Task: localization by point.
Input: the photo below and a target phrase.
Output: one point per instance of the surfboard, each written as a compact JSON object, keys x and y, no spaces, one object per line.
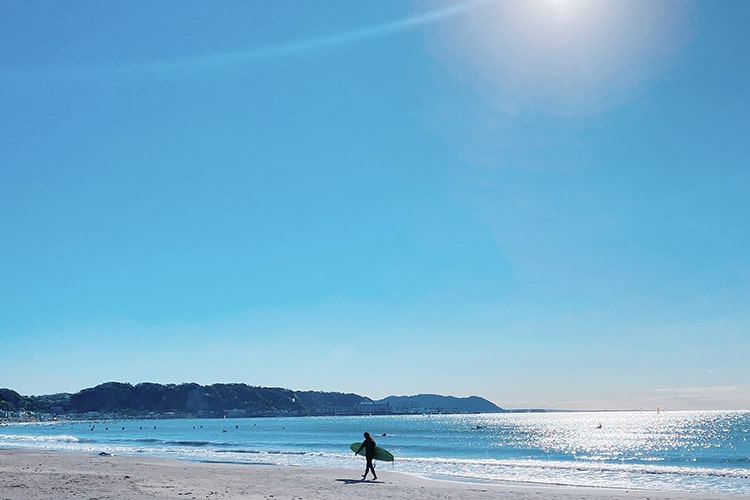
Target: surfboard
{"x":380,"y":453}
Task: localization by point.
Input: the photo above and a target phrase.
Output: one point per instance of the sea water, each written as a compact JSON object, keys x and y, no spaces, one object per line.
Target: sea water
{"x":698,"y":451}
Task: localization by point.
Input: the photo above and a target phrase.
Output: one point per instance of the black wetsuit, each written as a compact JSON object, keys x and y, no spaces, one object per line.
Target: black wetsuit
{"x":369,"y":446}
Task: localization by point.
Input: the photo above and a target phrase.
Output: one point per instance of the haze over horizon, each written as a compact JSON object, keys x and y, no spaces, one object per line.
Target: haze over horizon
{"x":542,"y":203}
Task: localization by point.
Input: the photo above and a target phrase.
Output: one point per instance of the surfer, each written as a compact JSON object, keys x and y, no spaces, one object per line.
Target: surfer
{"x":369,"y":445}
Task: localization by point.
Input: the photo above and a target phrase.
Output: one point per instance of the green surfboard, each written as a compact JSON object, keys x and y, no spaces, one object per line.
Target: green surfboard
{"x":380,"y":453}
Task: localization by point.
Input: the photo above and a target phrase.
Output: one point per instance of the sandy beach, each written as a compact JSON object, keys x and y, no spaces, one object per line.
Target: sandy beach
{"x":26,"y":474}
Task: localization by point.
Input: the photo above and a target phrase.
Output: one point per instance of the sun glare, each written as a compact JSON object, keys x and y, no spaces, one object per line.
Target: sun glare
{"x":564,"y":54}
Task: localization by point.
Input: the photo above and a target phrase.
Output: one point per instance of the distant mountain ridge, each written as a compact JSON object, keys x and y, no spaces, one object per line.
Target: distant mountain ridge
{"x":447,"y":404}
{"x":220,"y":400}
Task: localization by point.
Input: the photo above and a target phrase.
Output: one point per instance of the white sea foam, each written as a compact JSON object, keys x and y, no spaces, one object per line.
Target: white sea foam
{"x":9,"y":439}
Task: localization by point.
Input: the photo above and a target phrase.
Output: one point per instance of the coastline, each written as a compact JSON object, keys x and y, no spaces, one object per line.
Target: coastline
{"x":27,"y":474}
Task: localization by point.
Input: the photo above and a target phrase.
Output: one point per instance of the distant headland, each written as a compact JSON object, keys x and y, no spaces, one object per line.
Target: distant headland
{"x":190,"y":400}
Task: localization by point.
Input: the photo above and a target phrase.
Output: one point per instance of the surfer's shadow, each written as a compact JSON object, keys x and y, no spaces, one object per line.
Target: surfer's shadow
{"x":358,"y":481}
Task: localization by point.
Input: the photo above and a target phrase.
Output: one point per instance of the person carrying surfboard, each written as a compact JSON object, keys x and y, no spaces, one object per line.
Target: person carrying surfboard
{"x":369,"y":445}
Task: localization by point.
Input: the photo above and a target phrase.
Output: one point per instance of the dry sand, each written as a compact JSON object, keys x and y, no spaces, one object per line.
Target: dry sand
{"x":28,"y":474}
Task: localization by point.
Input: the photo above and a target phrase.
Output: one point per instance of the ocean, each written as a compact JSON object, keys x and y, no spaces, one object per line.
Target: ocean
{"x":697,"y":451}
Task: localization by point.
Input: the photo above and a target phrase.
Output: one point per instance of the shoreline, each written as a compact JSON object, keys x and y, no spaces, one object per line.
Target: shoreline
{"x":37,"y":474}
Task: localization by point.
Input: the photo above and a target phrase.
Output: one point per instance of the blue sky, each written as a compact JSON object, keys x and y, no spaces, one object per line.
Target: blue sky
{"x":544,"y":203}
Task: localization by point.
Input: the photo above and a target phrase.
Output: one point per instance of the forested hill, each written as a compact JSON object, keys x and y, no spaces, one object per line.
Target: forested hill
{"x":217,"y":400}
{"x":446,"y":404}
